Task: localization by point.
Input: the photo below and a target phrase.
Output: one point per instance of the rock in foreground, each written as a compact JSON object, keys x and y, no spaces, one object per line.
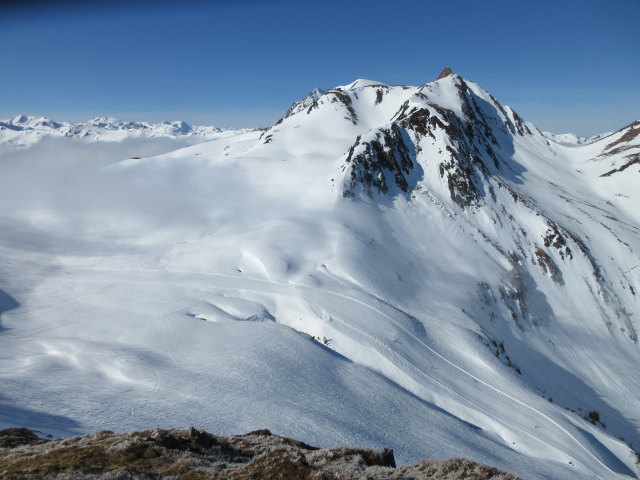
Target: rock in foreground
{"x":195,"y":454}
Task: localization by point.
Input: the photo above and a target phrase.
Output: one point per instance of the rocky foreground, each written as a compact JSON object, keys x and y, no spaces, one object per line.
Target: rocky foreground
{"x":196,"y":454}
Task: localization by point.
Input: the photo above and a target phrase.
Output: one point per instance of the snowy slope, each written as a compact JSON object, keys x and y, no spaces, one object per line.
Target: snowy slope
{"x":413,"y":267}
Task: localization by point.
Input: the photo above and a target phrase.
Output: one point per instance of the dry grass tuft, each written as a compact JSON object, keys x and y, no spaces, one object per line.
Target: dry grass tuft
{"x":198,"y":455}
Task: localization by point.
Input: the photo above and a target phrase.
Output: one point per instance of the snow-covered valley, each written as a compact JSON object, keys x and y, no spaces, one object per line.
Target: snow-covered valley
{"x":387,"y":266}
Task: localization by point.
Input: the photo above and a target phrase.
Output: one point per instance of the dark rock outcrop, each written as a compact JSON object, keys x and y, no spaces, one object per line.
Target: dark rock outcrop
{"x":446,"y":71}
{"x":383,"y":162}
{"x":16,"y":437}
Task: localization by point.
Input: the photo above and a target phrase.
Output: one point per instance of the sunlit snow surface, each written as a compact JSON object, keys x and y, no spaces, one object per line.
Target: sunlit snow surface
{"x":231,"y":286}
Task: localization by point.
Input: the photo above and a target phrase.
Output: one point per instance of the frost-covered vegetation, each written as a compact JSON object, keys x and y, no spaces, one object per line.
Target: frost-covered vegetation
{"x":195,"y":454}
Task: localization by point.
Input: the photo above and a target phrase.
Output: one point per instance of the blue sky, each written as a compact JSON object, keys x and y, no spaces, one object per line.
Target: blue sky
{"x":564,"y":65}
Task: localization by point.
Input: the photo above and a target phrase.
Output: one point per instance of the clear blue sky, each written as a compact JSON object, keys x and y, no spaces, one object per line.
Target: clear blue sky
{"x":564,"y":65}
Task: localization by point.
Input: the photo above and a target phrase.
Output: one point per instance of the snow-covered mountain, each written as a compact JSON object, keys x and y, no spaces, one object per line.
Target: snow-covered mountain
{"x":24,"y":130}
{"x":408,"y":267}
{"x":572,"y":140}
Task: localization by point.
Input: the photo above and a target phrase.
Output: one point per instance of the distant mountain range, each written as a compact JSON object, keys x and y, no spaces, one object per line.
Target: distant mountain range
{"x":23,"y":130}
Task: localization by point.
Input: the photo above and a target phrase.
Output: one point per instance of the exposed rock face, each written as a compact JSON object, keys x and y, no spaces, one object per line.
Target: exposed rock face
{"x":390,"y":157}
{"x":195,"y":454}
{"x":626,"y":141}
{"x":625,"y":147}
{"x":382,"y":162}
{"x":303,"y":104}
{"x":446,"y":71}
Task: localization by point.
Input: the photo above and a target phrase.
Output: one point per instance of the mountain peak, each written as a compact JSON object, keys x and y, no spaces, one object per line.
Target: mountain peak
{"x":19,"y":119}
{"x":361,"y":82}
{"x":104,"y":121}
{"x":446,"y":71}
{"x":30,"y":122}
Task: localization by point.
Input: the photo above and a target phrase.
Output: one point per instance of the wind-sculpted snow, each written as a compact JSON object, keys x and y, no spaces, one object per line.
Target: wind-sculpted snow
{"x":387,"y":266}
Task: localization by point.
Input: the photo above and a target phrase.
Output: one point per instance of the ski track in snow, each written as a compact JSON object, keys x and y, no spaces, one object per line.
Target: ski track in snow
{"x":300,"y":288}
